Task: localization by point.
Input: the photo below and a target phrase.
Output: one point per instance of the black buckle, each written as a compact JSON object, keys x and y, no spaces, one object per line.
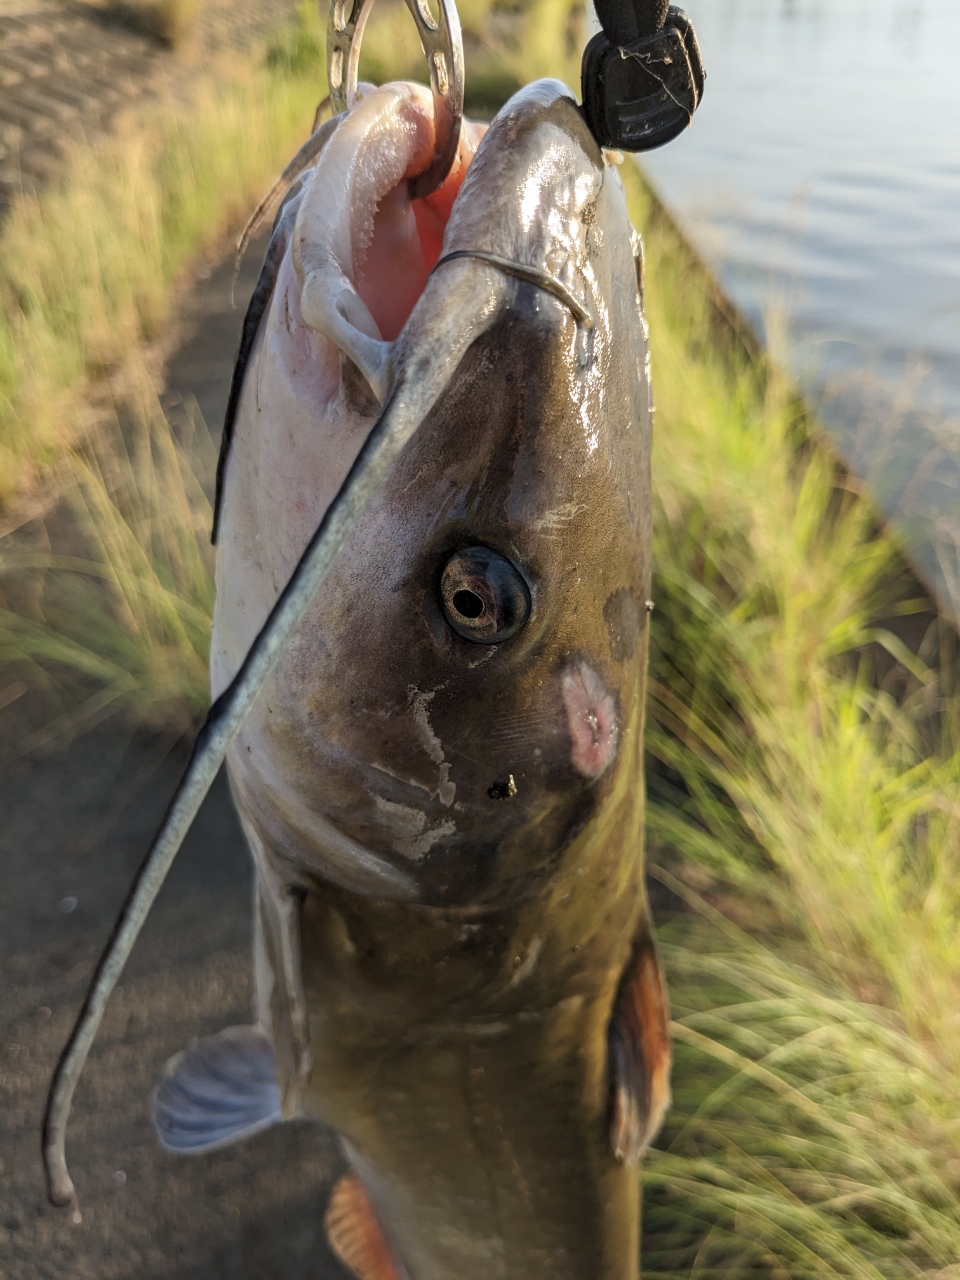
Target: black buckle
{"x":641,"y":86}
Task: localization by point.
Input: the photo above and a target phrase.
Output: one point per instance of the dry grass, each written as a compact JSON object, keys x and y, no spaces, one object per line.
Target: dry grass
{"x":87,"y":271}
{"x":119,"y":619}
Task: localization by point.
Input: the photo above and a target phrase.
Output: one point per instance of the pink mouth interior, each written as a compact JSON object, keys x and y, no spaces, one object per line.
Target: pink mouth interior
{"x":406,"y":243}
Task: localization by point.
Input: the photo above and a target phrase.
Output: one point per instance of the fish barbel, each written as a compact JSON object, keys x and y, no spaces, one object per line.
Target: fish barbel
{"x":441,"y":781}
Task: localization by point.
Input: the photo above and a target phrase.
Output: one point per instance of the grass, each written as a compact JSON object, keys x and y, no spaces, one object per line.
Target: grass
{"x":804,"y":801}
{"x":812,"y":1135}
{"x":121,"y":620}
{"x":803,"y":759}
{"x":135,"y":211}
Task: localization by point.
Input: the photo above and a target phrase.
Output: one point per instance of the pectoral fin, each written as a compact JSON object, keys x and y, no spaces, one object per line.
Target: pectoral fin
{"x":355,"y":1235}
{"x":221,"y":1089}
{"x":639,"y":1054}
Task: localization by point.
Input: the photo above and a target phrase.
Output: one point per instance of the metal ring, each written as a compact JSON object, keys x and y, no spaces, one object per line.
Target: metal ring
{"x":442,"y":45}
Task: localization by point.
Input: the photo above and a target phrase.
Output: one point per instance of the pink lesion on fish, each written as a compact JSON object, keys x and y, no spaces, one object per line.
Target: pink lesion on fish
{"x":591,"y":719}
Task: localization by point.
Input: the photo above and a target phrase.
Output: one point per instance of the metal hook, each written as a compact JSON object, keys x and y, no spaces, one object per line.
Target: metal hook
{"x":442,"y":45}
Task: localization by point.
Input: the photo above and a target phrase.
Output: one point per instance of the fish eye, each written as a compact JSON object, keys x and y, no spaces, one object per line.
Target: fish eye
{"x":484,"y":596}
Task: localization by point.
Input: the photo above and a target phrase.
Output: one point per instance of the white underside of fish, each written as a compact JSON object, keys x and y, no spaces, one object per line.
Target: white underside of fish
{"x":357,"y":256}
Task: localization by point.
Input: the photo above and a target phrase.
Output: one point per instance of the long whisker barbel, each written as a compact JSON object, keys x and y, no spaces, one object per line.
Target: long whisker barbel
{"x":221,"y":726}
{"x":442,"y":45}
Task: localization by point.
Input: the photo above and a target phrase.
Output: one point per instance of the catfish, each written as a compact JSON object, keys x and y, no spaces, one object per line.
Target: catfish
{"x":441,"y":781}
{"x":428,"y":663}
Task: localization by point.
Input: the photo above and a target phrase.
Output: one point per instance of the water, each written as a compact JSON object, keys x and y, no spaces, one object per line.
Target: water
{"x":821,"y":179}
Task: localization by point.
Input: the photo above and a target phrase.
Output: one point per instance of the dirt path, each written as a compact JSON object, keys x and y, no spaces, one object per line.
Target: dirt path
{"x":73,"y":827}
{"x":67,"y":68}
{"x":64,"y":72}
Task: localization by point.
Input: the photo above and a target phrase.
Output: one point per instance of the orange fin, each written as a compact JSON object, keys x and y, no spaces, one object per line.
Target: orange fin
{"x":354,"y":1233}
{"x":639,"y":1054}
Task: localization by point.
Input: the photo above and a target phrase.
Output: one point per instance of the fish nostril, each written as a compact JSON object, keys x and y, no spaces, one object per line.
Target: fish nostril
{"x":468,"y":603}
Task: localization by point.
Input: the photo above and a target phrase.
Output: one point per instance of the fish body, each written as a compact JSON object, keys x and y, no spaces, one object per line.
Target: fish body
{"x":441,"y":782}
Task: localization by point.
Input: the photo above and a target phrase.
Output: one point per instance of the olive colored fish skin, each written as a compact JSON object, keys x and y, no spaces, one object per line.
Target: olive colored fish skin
{"x":465,"y":1056}
{"x":459,"y":1041}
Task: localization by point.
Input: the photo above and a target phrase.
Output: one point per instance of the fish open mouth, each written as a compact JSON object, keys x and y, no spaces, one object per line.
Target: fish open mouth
{"x":363,"y":246}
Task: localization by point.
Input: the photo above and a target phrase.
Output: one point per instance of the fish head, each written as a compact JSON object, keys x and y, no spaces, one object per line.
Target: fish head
{"x":466,"y":692}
